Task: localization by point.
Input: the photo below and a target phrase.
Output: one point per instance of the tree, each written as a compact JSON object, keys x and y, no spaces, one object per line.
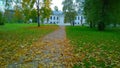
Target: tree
{"x":38,"y":12}
{"x":56,"y":8}
{"x":102,"y":12}
{"x":18,"y":16}
{"x":8,"y":14}
{"x":45,"y":10}
{"x":113,"y":12}
{"x":1,"y":19}
{"x":69,"y":11}
{"x":10,"y":10}
{"x":79,"y":7}
{"x":91,"y":11}
{"x":8,"y":4}
{"x":33,"y":15}
{"x":27,"y":6}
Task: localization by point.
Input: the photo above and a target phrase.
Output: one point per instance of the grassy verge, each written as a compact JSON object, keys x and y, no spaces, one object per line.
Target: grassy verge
{"x":14,"y":37}
{"x":98,"y":49}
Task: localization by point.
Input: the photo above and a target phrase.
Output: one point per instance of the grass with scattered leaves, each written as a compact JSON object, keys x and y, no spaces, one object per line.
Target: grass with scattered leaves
{"x":14,"y":37}
{"x":97,"y":49}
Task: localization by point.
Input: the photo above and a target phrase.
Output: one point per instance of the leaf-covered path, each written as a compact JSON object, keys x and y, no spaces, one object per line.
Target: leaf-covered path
{"x":52,"y":51}
{"x":56,"y":50}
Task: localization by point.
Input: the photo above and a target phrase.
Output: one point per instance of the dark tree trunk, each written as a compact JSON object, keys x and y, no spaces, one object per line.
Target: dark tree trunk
{"x":47,"y":20}
{"x":101,"y":26}
{"x":73,"y":23}
{"x":81,"y":20}
{"x":91,"y":24}
{"x":38,"y":21}
{"x":115,"y":24}
{"x":38,"y":12}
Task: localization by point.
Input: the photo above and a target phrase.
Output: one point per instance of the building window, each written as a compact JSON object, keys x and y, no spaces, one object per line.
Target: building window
{"x":75,"y":23}
{"x":50,"y":22}
{"x":78,"y":18}
{"x":54,"y":17}
{"x":57,"y":18}
{"x":51,"y":17}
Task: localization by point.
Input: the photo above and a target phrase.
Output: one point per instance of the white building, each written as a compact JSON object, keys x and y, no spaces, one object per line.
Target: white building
{"x":57,"y":17}
{"x":79,"y":20}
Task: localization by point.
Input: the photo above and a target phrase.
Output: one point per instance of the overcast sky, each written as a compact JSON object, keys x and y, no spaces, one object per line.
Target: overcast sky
{"x":57,"y":3}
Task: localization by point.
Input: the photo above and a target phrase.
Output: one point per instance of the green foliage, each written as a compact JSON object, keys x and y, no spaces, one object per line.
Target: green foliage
{"x":70,"y":16}
{"x":69,"y":11}
{"x":27,"y":7}
{"x":8,"y":4}
{"x":1,"y":19}
{"x":18,"y":16}
{"x":100,"y":49}
{"x":92,"y":10}
{"x":27,"y":11}
{"x":45,"y":11}
{"x":56,"y":8}
{"x":33,"y":15}
{"x":9,"y":15}
{"x":79,"y":6}
{"x":102,"y":12}
{"x":113,"y":11}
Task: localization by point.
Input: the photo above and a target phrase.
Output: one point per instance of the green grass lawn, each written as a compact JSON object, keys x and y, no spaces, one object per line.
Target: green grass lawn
{"x":100,"y":49}
{"x":14,"y":37}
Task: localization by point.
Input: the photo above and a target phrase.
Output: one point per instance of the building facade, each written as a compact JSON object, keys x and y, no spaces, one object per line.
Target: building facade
{"x":57,"y":17}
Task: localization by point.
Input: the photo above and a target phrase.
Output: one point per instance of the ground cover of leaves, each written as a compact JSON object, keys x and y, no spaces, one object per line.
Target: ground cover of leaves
{"x":100,"y":49}
{"x":15,"y":40}
{"x":52,"y":51}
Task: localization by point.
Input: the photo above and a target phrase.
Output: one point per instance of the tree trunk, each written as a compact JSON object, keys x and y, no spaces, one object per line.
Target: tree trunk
{"x":101,"y":26}
{"x":38,"y":14}
{"x":47,"y":20}
{"x":72,"y":22}
{"x":81,"y":20}
{"x":115,"y":24}
{"x":38,"y":20}
{"x":91,"y":24}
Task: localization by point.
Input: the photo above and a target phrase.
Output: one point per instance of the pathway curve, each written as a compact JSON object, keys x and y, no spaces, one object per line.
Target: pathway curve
{"x":53,"y":51}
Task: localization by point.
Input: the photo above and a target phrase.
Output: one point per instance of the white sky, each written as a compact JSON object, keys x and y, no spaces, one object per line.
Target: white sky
{"x":57,"y":3}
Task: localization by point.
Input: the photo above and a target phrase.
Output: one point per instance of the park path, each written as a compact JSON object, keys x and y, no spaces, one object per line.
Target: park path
{"x":57,"y":50}
{"x":52,"y":51}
